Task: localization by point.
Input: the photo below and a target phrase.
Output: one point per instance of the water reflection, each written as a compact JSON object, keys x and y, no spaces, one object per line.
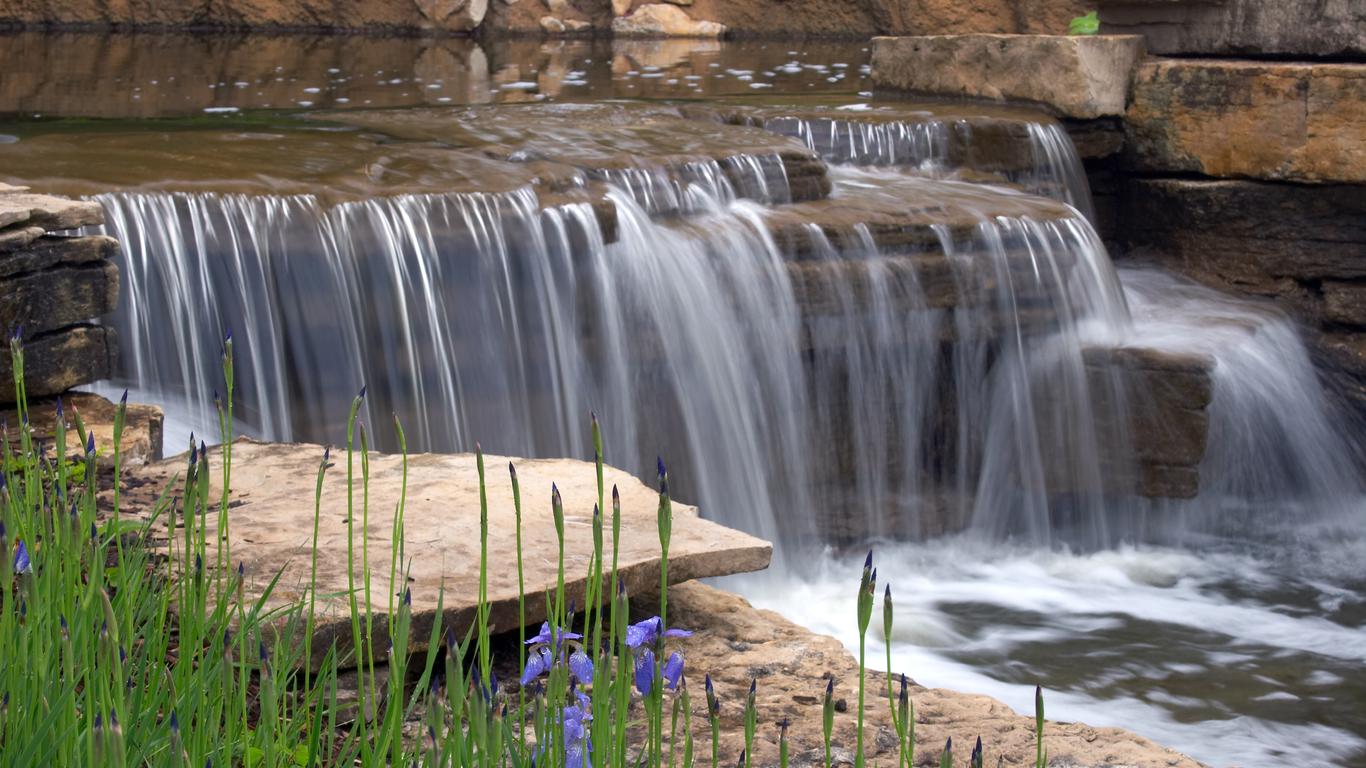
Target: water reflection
{"x":159,"y":75}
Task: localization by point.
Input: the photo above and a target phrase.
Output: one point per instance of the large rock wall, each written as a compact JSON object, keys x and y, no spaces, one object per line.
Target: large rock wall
{"x":1301,"y":28}
{"x":359,"y":15}
{"x":689,"y":18}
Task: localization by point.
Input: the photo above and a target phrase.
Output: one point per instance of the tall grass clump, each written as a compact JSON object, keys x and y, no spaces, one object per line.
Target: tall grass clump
{"x":127,"y":638}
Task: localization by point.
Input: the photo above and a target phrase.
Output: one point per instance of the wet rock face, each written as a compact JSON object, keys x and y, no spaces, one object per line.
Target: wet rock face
{"x":1311,"y":28}
{"x":273,"y":522}
{"x":1302,"y":245}
{"x":51,"y":288}
{"x":1077,"y":77}
{"x":1266,"y":120}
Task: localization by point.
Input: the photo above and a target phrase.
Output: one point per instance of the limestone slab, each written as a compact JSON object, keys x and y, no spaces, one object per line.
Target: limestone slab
{"x":1078,"y":77}
{"x":57,"y":361}
{"x":272,"y":522}
{"x":1254,"y":119}
{"x":15,"y":238}
{"x":47,"y":252}
{"x":50,"y":212}
{"x":57,"y":297}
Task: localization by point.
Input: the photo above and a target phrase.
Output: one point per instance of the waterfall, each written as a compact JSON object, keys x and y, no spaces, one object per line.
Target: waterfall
{"x":809,"y":379}
{"x":1045,"y":164}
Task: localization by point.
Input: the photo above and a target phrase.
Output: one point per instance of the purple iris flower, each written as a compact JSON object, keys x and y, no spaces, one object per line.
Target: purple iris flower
{"x":538,"y":664}
{"x":673,"y":670}
{"x":578,"y":744}
{"x":544,"y":636}
{"x":21,"y":562}
{"x":581,"y":666}
{"x":645,"y":672}
{"x":645,"y":632}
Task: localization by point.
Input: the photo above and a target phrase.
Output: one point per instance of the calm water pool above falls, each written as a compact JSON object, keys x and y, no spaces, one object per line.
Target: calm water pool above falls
{"x":844,"y":319}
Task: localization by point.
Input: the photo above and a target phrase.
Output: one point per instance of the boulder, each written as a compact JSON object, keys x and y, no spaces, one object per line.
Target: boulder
{"x":735,"y":642}
{"x":1073,"y":76}
{"x":57,"y":361}
{"x":1254,"y":119}
{"x":273,"y":518}
{"x":664,"y":20}
{"x":1304,"y":28}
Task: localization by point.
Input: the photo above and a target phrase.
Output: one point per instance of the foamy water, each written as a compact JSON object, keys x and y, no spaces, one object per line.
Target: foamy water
{"x":1219,"y":653}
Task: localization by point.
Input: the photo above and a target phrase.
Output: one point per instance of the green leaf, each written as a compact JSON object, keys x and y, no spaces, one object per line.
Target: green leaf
{"x":301,"y":755}
{"x":1084,"y":25}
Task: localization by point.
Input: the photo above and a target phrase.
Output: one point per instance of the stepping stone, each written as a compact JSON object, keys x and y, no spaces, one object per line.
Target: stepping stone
{"x":272,"y":523}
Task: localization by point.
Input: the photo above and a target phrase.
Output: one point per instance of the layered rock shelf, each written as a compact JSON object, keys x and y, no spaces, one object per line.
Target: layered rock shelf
{"x":54,"y":287}
{"x":1281,"y":121}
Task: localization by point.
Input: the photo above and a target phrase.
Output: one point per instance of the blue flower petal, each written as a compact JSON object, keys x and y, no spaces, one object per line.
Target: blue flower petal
{"x":673,"y":670}
{"x":581,"y":666}
{"x":21,"y":561}
{"x":645,"y":672}
{"x":678,"y":633}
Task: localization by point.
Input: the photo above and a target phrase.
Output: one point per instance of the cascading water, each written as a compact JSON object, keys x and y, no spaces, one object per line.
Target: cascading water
{"x":905,"y":359}
{"x":941,"y":146}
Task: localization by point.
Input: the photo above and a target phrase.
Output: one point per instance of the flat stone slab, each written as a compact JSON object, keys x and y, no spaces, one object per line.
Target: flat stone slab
{"x":47,"y":211}
{"x":1253,"y":119}
{"x":272,"y":524}
{"x":1074,"y":76}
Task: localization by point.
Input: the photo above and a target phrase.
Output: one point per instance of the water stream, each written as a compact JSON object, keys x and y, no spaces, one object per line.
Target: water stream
{"x":842,"y":320}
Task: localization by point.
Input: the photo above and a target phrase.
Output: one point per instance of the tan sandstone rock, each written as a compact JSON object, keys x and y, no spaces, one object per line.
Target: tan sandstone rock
{"x":1254,"y":119}
{"x":49,"y":212}
{"x":139,"y":443}
{"x":663,"y":20}
{"x":272,"y":523}
{"x":1078,"y":77}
